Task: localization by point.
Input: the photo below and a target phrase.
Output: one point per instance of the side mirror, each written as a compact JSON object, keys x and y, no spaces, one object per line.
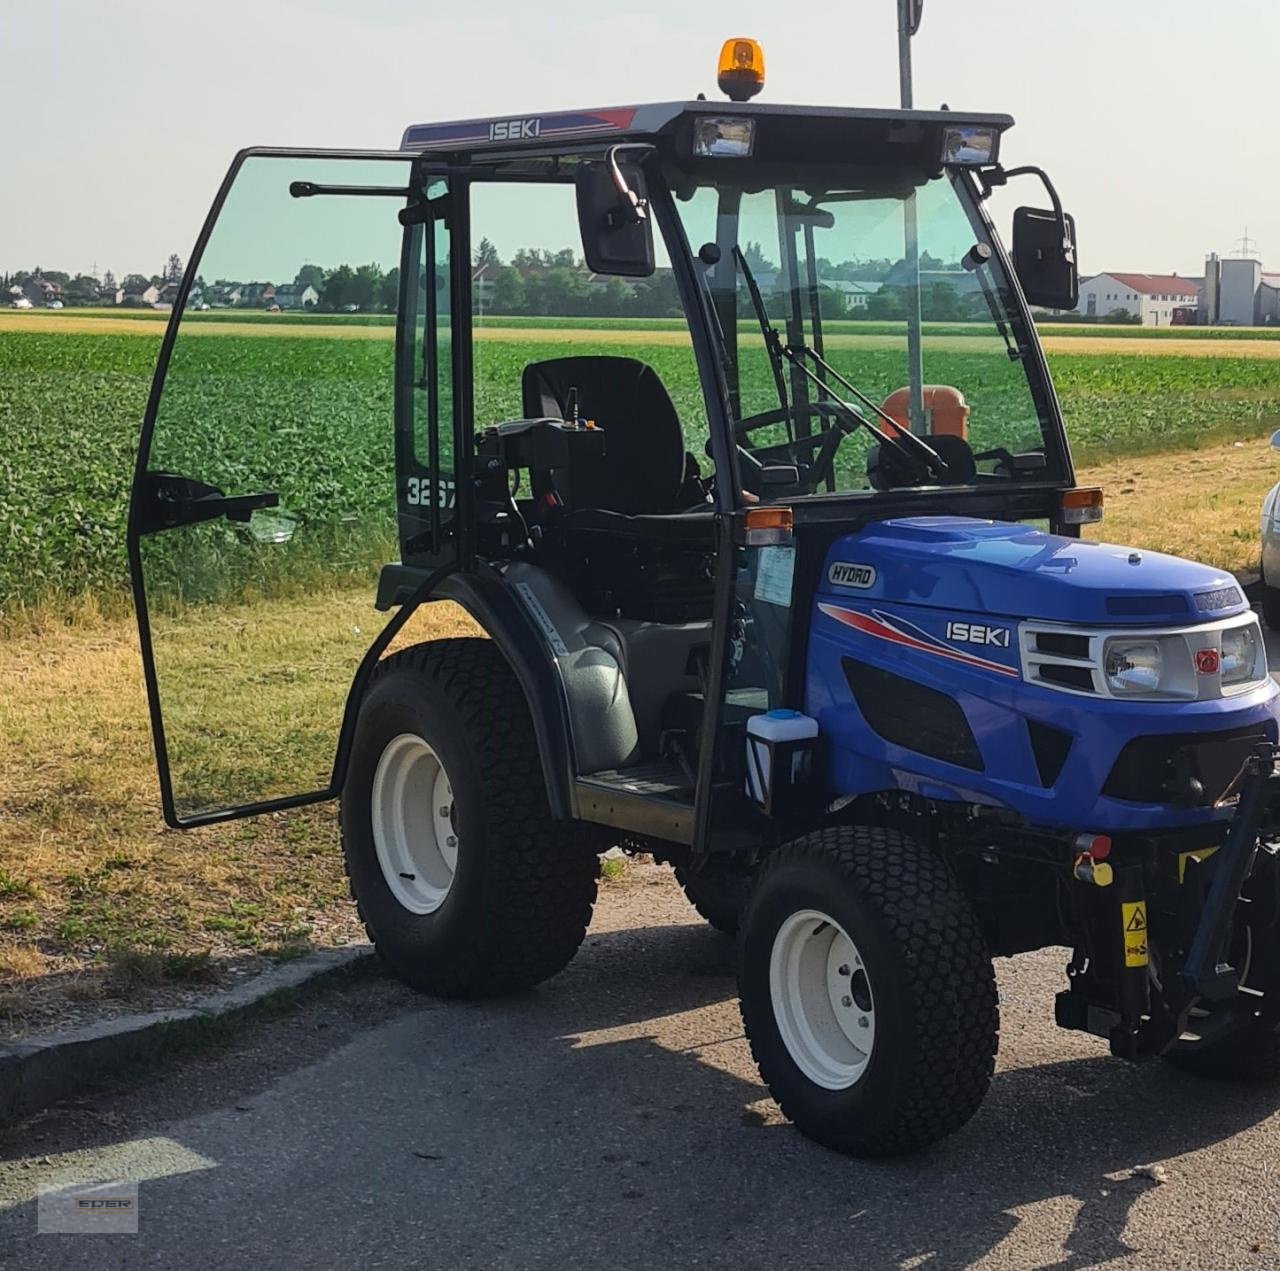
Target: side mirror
{"x":1275,"y":440}
{"x":1044,"y":256}
{"x":617,"y":233}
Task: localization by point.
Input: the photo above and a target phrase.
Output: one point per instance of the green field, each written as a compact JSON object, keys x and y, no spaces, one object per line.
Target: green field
{"x":71,"y":403}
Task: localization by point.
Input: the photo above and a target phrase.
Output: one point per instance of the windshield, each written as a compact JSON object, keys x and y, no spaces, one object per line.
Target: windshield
{"x":870,"y":340}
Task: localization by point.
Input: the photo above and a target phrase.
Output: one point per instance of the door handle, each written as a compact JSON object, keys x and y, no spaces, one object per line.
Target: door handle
{"x":167,"y":501}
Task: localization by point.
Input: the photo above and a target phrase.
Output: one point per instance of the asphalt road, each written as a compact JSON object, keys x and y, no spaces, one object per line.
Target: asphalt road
{"x":613,"y":1119}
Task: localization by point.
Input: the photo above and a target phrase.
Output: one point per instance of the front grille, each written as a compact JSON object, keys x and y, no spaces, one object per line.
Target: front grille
{"x":1193,"y":769}
{"x":1077,"y":677}
{"x":1223,"y":598}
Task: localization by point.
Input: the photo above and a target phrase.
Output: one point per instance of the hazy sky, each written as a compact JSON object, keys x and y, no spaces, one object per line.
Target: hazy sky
{"x":1157,"y":118}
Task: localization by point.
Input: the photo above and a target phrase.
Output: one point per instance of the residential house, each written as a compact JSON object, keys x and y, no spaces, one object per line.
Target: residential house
{"x":223,"y":294}
{"x":855,"y":293}
{"x":292,"y":295}
{"x":40,"y":291}
{"x":257,"y":295}
{"x":147,"y":295}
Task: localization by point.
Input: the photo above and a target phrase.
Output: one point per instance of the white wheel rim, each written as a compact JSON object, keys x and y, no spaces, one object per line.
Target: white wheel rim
{"x":413,"y":824}
{"x":822,"y":999}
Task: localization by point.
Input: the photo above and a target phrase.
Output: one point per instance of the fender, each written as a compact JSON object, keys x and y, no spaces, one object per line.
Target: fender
{"x":489,"y":601}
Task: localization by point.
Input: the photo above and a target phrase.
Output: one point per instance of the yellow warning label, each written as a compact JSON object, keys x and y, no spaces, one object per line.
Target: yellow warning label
{"x":1133,"y":917}
{"x":1200,"y":854}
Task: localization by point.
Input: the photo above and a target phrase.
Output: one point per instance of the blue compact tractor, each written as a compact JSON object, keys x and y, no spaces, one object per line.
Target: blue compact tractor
{"x":766,"y":517}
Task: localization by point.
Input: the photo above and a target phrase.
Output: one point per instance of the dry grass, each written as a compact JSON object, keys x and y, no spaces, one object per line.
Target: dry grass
{"x":1201,"y":504}
{"x":88,"y":872}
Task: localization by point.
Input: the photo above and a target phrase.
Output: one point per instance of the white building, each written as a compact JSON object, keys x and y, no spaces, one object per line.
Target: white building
{"x":1239,"y":293}
{"x":1155,"y":298}
{"x":855,"y":294}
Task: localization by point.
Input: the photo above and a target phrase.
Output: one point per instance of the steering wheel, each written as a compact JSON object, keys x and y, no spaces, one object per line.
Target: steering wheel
{"x":815,"y":454}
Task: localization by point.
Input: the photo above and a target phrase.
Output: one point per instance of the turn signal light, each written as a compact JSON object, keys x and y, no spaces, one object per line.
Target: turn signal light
{"x":741,"y":70}
{"x":764,"y":526}
{"x":1081,"y":505}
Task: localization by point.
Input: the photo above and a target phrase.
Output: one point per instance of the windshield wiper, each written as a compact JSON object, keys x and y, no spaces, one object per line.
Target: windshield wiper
{"x":772,"y":344}
{"x":778,"y":352}
{"x":921,"y":450}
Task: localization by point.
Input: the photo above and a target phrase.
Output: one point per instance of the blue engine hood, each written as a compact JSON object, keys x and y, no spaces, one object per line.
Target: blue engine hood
{"x":990,"y":567}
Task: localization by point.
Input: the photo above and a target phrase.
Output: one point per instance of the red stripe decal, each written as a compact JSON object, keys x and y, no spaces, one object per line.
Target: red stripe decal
{"x":884,"y":631}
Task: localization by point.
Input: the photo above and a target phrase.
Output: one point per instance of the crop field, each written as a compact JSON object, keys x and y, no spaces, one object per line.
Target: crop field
{"x":95,"y":896}
{"x":73,"y":389}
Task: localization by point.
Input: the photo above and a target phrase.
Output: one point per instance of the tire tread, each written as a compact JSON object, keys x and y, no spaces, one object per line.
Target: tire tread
{"x":542,"y":872}
{"x":950,"y":977}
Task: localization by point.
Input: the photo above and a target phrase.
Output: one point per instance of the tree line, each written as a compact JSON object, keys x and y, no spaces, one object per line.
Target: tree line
{"x":90,"y":289}
{"x":538,"y":283}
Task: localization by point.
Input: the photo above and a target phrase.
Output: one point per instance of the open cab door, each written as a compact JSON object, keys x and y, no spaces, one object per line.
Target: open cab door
{"x":264,"y":499}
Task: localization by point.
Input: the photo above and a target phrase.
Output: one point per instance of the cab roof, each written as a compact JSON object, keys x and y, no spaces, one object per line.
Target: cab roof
{"x":834,"y":125}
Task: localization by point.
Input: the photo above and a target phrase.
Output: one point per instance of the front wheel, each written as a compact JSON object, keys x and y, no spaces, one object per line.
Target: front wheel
{"x":466,"y":884}
{"x":867,"y":991}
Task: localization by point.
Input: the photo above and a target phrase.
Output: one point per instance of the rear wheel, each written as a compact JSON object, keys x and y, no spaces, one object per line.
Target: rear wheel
{"x":464,"y":882}
{"x":719,"y":892}
{"x":867,"y":991}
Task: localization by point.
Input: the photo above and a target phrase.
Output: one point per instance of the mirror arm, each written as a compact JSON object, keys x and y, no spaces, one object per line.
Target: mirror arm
{"x":991,"y":178}
{"x":634,"y":209}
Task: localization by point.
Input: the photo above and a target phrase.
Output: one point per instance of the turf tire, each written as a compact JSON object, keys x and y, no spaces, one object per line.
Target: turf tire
{"x":931,"y":975}
{"x":524,"y":884}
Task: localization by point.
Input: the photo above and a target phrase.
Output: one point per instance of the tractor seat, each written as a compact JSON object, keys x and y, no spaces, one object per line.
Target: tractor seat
{"x":642,"y":469}
{"x":689,"y":529}
{"x":627,"y":542}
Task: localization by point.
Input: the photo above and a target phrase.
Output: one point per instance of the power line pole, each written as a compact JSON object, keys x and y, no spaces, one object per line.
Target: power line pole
{"x":909,"y":14}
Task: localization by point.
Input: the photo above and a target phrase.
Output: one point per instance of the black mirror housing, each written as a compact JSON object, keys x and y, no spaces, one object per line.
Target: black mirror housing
{"x":615,"y":240}
{"x":1044,"y":257}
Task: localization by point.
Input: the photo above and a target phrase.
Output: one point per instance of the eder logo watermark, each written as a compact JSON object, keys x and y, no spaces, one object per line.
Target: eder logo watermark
{"x":109,"y":1208}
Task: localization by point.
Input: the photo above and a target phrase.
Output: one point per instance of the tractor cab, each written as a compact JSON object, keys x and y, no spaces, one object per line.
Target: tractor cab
{"x":727,"y":425}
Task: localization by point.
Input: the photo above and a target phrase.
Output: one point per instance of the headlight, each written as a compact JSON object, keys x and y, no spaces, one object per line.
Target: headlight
{"x":1239,"y":653}
{"x":1133,"y":666}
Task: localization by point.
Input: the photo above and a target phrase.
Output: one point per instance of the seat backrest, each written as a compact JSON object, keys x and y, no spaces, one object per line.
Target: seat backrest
{"x":643,"y":465}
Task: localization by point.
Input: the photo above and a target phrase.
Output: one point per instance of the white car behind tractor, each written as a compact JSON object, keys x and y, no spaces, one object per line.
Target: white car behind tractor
{"x":1270,"y":534}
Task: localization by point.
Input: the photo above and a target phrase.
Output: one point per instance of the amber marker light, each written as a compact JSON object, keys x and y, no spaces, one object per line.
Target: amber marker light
{"x":741,"y":70}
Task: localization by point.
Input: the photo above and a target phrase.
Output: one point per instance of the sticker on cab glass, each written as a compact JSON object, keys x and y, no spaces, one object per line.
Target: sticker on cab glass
{"x":843,"y":573}
{"x":774,"y":575}
{"x":1133,"y":917}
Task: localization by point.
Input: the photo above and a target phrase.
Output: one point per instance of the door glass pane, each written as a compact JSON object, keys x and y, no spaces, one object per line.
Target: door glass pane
{"x":280,"y":384}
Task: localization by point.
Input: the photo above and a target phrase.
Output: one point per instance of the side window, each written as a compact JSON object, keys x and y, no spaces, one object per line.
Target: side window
{"x":534,"y":300}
